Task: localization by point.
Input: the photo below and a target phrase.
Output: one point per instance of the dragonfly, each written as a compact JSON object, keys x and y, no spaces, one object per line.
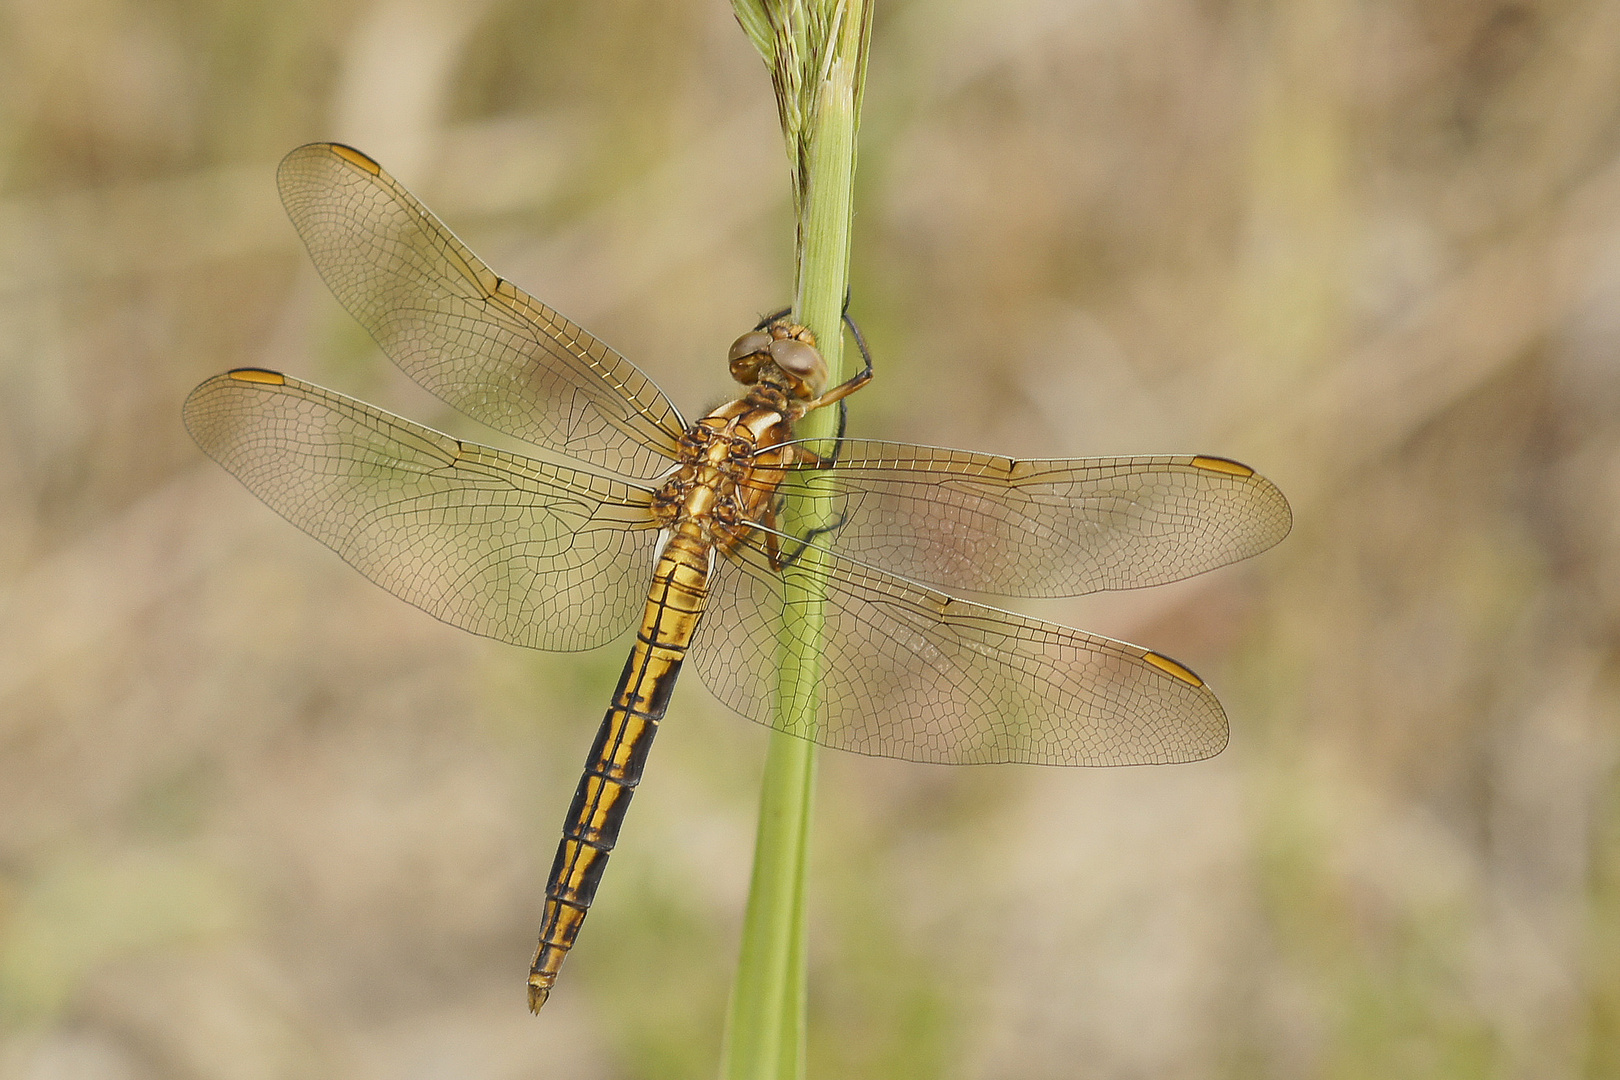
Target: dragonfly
{"x":627,"y":515}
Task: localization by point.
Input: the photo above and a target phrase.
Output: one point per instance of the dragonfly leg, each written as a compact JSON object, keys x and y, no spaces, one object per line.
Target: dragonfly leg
{"x":774,"y":316}
{"x":849,"y":385}
{"x":785,"y":312}
{"x":780,"y":561}
{"x":839,"y":393}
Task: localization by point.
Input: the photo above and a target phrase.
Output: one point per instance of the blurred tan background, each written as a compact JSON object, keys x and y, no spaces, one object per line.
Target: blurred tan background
{"x":258,"y":819}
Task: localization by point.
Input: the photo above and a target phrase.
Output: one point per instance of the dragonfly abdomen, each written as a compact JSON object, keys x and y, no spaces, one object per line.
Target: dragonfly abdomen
{"x":613,"y":768}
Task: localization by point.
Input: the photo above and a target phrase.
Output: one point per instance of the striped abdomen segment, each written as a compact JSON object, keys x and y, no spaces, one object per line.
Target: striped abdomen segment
{"x":674,"y":603}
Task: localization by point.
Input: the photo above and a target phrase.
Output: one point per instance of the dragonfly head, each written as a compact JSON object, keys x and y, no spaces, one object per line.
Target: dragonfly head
{"x":783,"y":352}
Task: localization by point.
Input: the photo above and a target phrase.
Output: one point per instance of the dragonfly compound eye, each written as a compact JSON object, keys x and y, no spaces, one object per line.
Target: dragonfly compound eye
{"x":747,"y":354}
{"x":803,"y":361}
{"x":755,"y":341}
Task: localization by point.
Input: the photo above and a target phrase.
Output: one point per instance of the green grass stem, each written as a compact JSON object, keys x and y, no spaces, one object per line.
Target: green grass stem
{"x":816,"y":51}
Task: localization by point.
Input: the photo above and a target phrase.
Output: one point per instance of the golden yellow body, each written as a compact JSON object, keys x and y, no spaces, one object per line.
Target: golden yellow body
{"x":713,"y":499}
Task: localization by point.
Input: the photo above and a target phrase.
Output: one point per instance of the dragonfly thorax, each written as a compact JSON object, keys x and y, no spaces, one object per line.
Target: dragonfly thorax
{"x":726,"y":482}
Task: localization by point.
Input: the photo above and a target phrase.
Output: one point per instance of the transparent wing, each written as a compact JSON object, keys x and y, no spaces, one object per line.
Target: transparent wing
{"x":468,"y":336}
{"x":975,"y":522}
{"x":510,"y":548}
{"x":911,"y":673}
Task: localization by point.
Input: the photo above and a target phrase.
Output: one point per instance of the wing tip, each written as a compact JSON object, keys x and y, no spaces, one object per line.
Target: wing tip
{"x":1263,"y":492}
{"x":294,"y":168}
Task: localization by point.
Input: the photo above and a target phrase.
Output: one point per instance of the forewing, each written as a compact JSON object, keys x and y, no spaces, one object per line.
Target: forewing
{"x":465,"y":334}
{"x":510,"y":548}
{"x":980,"y":523}
{"x":911,"y":673}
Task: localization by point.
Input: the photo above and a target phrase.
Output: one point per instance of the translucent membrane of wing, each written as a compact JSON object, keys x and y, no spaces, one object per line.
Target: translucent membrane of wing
{"x":911,"y":673}
{"x":510,"y":548}
{"x":975,"y":522}
{"x":462,"y":332}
